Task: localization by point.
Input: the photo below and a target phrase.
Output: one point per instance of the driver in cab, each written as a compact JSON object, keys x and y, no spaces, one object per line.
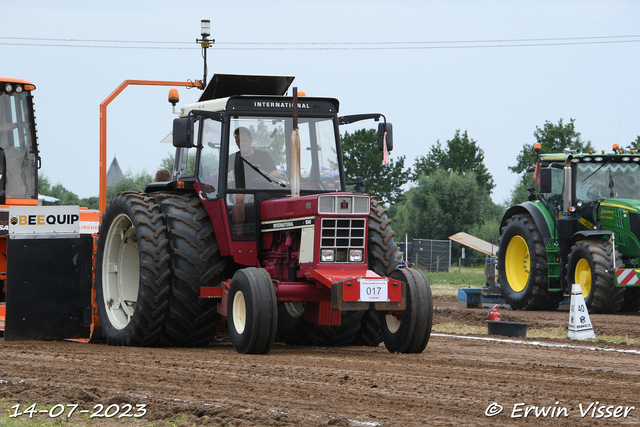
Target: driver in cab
{"x":258,"y":158}
{"x":246,"y":177}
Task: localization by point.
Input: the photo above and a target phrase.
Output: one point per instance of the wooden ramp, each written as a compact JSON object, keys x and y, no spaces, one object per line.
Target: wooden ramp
{"x":475,"y":243}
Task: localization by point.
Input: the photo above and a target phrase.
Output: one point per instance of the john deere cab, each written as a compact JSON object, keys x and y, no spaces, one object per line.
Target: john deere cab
{"x":583,"y":228}
{"x":256,"y":229}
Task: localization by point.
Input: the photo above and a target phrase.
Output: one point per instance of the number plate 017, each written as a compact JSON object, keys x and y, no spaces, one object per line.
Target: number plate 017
{"x":373,"y":290}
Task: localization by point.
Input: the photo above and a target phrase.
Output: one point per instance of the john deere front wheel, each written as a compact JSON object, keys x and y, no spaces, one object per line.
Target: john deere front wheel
{"x":523,"y":264}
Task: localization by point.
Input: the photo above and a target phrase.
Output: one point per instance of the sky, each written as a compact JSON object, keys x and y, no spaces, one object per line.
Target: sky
{"x":496,"y":69}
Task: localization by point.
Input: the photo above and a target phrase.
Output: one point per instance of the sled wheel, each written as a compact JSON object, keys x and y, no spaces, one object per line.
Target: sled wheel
{"x":252,"y":311}
{"x":408,"y":331}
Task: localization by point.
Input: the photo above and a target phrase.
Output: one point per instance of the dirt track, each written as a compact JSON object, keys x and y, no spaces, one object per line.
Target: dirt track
{"x":452,"y":383}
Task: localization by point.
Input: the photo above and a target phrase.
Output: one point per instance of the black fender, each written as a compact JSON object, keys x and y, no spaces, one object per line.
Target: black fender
{"x":588,"y":235}
{"x":535,"y":213}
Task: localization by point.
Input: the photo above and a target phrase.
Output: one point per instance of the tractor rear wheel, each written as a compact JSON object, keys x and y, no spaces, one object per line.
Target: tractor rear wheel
{"x":408,"y":331}
{"x":252,"y":311}
{"x":383,"y":257}
{"x":335,"y":336}
{"x":195,"y":262}
{"x":132,"y":270}
{"x":522,"y":264}
{"x":631,"y":302}
{"x":588,"y":265}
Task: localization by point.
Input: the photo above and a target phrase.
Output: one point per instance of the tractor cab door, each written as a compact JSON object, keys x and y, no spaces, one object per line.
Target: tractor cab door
{"x":18,"y":142}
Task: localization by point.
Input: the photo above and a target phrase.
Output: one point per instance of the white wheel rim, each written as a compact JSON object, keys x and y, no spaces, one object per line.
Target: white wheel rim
{"x":393,"y":323}
{"x":120,"y":272}
{"x":239,"y":312}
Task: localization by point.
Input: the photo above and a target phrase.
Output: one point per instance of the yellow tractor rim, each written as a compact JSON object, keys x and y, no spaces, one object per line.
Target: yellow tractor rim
{"x":517,"y":263}
{"x":583,"y":276}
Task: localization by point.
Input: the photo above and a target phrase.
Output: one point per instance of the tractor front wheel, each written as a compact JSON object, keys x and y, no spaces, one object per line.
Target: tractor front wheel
{"x":408,"y":331}
{"x":132,"y":271}
{"x":523,"y":265}
{"x":589,"y":264}
{"x":252,"y":311}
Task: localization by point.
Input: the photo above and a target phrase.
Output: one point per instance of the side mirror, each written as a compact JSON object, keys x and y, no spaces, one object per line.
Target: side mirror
{"x":388,"y":128}
{"x":359,"y":183}
{"x":545,"y":180}
{"x":183,"y":132}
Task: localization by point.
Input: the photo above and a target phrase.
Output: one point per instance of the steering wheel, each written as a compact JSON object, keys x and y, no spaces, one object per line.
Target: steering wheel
{"x":608,"y":193}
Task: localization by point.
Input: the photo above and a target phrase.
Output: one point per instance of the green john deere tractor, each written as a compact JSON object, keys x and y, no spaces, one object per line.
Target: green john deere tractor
{"x":582,"y":228}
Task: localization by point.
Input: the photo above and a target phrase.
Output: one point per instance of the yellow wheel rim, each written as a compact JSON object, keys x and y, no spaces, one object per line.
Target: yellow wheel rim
{"x":583,"y":277}
{"x":517,"y":263}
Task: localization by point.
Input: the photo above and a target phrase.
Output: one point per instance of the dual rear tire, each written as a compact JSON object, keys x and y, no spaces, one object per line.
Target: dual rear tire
{"x":154,"y":253}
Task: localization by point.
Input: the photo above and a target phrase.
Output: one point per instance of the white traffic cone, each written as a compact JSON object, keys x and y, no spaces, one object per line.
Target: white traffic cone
{"x":580,"y":327}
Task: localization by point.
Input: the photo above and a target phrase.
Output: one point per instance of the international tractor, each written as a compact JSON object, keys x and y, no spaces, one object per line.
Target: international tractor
{"x":582,"y":228}
{"x":255,"y":236}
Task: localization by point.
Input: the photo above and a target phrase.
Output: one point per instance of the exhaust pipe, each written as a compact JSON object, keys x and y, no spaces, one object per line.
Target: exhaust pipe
{"x":295,"y":149}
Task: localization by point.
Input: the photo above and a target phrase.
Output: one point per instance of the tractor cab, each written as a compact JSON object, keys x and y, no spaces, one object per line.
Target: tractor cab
{"x":18,"y":143}
{"x":237,"y":152}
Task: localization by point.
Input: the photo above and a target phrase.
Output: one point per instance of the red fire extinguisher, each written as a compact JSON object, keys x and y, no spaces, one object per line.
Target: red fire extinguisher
{"x":494,"y":316}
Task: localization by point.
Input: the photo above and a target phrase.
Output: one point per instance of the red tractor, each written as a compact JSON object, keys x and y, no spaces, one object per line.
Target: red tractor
{"x":256,"y":228}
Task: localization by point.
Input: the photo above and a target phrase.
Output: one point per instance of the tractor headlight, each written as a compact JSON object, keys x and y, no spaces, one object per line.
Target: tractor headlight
{"x":327,"y":255}
{"x":8,"y":88}
{"x":355,"y":255}
{"x":18,"y":89}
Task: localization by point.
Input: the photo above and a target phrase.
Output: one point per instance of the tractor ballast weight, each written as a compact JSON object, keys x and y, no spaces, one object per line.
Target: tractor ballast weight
{"x":582,"y":228}
{"x":256,"y":229}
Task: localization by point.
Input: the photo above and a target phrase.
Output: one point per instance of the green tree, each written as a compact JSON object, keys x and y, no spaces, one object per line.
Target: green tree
{"x":363,"y":159}
{"x":552,"y":139}
{"x":64,"y":196}
{"x":635,"y":145}
{"x":130,"y":182}
{"x":461,"y":155}
{"x":442,"y":204}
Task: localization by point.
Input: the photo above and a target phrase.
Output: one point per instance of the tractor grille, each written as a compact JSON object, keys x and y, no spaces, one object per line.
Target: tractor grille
{"x":343,"y":235}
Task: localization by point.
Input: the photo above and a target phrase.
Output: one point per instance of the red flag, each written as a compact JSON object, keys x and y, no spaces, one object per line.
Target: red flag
{"x":385,"y":159}
{"x":536,"y":173}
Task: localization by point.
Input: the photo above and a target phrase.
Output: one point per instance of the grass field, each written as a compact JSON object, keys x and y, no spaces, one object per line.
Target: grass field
{"x":448,"y":283}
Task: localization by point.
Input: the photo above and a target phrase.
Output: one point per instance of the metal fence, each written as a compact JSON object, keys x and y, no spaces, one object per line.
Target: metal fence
{"x":429,"y":255}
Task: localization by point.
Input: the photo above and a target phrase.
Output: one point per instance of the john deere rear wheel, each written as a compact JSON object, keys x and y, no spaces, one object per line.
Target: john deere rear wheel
{"x":195,"y":262}
{"x":588,"y":265}
{"x":132,"y":277}
{"x":631,"y":302}
{"x":522,"y":264}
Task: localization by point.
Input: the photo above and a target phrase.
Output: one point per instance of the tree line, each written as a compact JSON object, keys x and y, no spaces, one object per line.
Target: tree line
{"x":449,"y":187}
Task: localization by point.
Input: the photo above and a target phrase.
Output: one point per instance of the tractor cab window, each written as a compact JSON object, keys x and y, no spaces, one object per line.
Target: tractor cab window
{"x":259,"y":150}
{"x":209,"y":163}
{"x":17,"y":140}
{"x":557,"y":185}
{"x":597,"y":181}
